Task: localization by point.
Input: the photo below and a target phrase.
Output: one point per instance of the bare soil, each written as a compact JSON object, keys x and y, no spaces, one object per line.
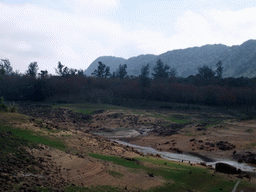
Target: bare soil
{"x":227,"y":139}
{"x":222,"y":139}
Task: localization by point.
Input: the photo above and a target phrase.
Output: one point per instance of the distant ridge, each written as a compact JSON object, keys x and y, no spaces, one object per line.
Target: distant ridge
{"x":238,"y":60}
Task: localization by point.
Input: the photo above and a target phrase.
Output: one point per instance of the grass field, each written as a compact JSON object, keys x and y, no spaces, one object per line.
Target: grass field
{"x":200,"y":179}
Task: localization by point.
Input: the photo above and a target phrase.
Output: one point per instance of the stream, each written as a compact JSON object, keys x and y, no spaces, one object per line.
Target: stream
{"x":193,"y":158}
{"x":185,"y":157}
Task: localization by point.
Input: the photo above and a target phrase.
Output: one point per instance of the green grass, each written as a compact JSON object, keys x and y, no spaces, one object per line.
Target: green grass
{"x":43,"y":189}
{"x":34,"y":137}
{"x":115,"y":174}
{"x":117,"y":160}
{"x":249,"y":130}
{"x":200,"y":179}
{"x":88,"y":108}
{"x":178,"y":119}
{"x":92,"y":189}
{"x":11,"y":144}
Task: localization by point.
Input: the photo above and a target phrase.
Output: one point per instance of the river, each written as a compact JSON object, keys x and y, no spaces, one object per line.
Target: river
{"x":193,"y":158}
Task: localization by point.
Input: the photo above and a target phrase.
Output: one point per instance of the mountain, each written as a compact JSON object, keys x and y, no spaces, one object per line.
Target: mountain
{"x":238,"y":60}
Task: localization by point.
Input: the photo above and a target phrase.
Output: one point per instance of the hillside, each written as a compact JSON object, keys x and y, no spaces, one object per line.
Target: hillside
{"x":237,"y":60}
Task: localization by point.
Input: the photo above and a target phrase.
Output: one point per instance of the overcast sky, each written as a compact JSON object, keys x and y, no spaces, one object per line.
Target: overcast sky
{"x":76,"y":32}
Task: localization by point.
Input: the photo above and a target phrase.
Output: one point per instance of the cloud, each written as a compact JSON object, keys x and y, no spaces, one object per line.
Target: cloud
{"x":49,"y":36}
{"x":95,"y":7}
{"x":234,"y":25}
{"x":33,"y":32}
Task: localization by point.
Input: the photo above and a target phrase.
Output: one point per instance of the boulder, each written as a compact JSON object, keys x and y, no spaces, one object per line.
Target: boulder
{"x":224,"y":145}
{"x":225,"y":168}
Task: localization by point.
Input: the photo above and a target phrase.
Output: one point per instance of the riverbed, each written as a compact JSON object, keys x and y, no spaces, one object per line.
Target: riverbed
{"x":189,"y":157}
{"x":192,"y":157}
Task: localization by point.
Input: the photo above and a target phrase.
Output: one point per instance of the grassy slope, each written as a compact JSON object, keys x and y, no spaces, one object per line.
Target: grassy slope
{"x":200,"y":179}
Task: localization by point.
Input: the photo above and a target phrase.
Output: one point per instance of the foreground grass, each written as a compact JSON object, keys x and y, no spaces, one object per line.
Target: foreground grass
{"x":185,"y":177}
{"x":27,"y":137}
{"x":92,"y":189}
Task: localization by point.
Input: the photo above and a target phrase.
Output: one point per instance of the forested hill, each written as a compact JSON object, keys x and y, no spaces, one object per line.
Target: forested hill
{"x":237,"y":60}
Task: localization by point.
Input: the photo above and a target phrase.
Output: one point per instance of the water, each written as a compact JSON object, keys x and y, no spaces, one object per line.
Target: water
{"x":189,"y":157}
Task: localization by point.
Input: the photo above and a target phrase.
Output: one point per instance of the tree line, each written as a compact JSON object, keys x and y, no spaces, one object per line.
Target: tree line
{"x":71,"y":85}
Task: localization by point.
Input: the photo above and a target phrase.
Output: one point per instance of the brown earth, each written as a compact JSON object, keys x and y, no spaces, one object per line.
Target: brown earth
{"x":77,"y":131}
{"x":56,"y":169}
{"x":220,"y":140}
{"x":86,"y":171}
{"x":189,"y":139}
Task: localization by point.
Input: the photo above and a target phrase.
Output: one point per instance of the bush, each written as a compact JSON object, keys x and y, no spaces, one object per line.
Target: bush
{"x":13,"y":108}
{"x":3,"y":106}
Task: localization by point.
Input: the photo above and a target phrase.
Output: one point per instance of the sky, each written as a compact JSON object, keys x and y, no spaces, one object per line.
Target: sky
{"x":76,"y":32}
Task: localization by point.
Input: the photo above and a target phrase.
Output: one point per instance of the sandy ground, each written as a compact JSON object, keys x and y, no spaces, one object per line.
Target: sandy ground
{"x":87,"y":171}
{"x":78,"y":132}
{"x":191,"y":140}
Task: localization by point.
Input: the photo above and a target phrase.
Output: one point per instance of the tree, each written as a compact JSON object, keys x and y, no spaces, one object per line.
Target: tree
{"x":107,"y":72}
{"x":6,"y":66}
{"x":32,"y":69}
{"x":59,"y":69}
{"x":72,"y":72}
{"x":172,"y":72}
{"x":2,"y":73}
{"x":205,"y":72}
{"x":160,"y":70}
{"x":80,"y":72}
{"x":144,"y":76}
{"x":43,"y":74}
{"x":219,"y":69}
{"x":102,"y":72}
{"x":121,"y":71}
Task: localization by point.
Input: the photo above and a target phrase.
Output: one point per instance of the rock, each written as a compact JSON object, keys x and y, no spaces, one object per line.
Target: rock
{"x":240,"y":160}
{"x":246,"y":157}
{"x":203,"y":164}
{"x":224,"y":145}
{"x":210,"y":144}
{"x":151,"y":174}
{"x":225,"y":168}
{"x":158,"y":155}
{"x":177,"y":150}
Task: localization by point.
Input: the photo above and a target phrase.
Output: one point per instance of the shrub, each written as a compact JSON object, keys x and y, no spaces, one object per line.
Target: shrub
{"x":3,"y":106}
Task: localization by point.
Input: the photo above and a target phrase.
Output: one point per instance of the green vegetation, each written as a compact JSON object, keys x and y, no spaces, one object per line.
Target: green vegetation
{"x":115,"y":174}
{"x":249,"y":130}
{"x":11,"y":143}
{"x":88,"y":108}
{"x":29,"y":137}
{"x":117,"y":160}
{"x":72,"y":188}
{"x":3,"y":106}
{"x":178,"y":119}
{"x":185,"y":177}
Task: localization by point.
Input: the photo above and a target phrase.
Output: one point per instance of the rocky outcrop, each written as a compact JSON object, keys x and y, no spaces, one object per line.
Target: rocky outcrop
{"x":224,"y":145}
{"x":226,"y":168}
{"x":245,"y":157}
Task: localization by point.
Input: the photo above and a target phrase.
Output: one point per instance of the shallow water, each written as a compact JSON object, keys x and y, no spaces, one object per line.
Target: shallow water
{"x":189,"y":157}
